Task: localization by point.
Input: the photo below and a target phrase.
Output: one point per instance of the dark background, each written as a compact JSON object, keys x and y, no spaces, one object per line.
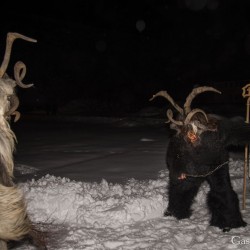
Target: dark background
{"x":109,"y":57}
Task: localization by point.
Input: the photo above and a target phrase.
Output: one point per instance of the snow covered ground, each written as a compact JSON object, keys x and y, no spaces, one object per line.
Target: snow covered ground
{"x":100,"y":183}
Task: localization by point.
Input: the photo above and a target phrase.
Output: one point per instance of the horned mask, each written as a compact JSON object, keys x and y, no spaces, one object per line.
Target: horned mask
{"x":187,"y":117}
{"x":9,"y":99}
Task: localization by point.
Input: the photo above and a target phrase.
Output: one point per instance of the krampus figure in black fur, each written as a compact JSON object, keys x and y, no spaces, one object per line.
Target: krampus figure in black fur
{"x":14,"y":221}
{"x":198,"y":152}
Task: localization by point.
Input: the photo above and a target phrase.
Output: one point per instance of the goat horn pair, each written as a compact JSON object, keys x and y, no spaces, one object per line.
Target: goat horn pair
{"x":187,"y":111}
{"x":187,"y":119}
{"x":19,"y":68}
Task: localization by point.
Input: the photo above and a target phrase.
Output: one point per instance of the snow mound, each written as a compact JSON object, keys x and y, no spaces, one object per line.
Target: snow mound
{"x":100,"y":205}
{"x":80,"y":215}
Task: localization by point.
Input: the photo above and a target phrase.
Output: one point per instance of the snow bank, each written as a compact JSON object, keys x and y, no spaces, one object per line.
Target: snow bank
{"x":55,"y":199}
{"x":103,"y":215}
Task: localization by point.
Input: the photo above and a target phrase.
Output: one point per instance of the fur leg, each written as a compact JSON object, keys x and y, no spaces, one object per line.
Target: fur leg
{"x":13,"y":217}
{"x":181,"y":195}
{"x":3,"y":245}
{"x":223,"y":202}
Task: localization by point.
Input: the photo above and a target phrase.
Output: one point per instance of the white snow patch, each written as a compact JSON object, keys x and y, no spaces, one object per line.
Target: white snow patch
{"x":103,"y":215}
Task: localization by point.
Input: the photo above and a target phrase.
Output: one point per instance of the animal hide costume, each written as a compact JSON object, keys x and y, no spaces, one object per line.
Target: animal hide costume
{"x":14,"y":221}
{"x":198,"y":152}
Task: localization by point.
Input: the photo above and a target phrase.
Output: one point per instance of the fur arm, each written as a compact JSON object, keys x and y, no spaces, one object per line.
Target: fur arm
{"x":185,"y":158}
{"x":176,"y":163}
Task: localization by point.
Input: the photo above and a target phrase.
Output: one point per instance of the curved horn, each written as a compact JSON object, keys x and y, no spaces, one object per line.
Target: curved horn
{"x":19,"y":74}
{"x":17,"y":115}
{"x":194,"y":93}
{"x":14,"y":103}
{"x":9,"y":41}
{"x":192,"y":113}
{"x":169,"y":98}
{"x":170,"y":117}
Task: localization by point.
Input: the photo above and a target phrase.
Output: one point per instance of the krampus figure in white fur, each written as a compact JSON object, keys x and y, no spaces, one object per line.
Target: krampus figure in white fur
{"x":198,"y":152}
{"x":14,"y":221}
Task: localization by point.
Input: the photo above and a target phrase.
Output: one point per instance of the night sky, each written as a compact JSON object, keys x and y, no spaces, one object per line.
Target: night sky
{"x":114,"y":55}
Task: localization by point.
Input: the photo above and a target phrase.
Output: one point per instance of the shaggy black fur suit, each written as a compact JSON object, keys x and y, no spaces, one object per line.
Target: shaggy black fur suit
{"x":200,"y":158}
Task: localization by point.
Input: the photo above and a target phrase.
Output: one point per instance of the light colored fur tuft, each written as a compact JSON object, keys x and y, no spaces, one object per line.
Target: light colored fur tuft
{"x":14,"y":221}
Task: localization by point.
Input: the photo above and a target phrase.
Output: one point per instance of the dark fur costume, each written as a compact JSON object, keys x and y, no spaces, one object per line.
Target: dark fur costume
{"x":186,"y":159}
{"x":211,"y":151}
